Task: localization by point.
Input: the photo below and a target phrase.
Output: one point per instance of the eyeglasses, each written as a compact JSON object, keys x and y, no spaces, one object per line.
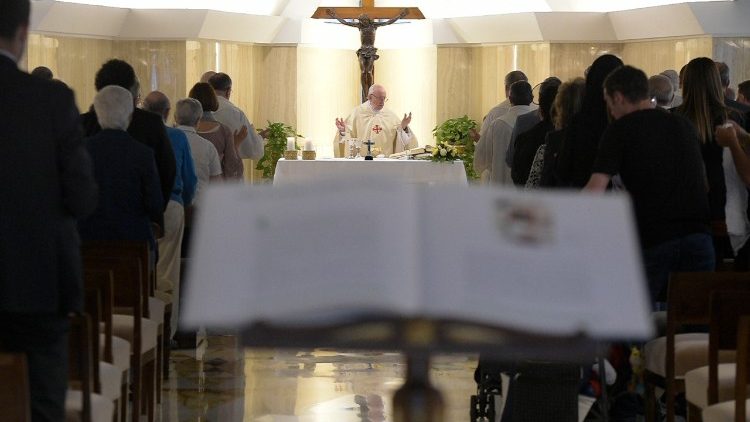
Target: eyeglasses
{"x":383,"y":99}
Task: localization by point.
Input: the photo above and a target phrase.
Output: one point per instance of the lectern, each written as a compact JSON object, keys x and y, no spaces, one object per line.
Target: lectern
{"x":418,"y":269}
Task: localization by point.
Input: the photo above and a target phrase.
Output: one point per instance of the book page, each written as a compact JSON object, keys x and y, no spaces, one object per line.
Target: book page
{"x":556,"y":263}
{"x":298,"y":255}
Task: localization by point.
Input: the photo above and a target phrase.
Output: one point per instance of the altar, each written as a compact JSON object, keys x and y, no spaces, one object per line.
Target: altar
{"x":408,"y":172}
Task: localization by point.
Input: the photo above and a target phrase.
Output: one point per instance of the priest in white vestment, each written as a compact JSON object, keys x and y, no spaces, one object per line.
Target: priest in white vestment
{"x":371,"y":121}
{"x":490,"y":150}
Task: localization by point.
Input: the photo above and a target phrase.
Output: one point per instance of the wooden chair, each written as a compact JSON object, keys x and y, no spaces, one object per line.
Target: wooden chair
{"x":736,"y":410}
{"x":702,"y":385}
{"x":668,"y":358}
{"x":128,"y":297}
{"x":98,"y":287}
{"x":15,"y":400}
{"x":82,"y":403}
{"x":155,"y":308}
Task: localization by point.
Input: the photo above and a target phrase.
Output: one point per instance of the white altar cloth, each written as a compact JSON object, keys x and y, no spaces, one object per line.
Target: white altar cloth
{"x":342,"y":169}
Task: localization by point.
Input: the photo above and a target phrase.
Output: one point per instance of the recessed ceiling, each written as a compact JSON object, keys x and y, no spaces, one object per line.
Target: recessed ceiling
{"x":433,"y":9}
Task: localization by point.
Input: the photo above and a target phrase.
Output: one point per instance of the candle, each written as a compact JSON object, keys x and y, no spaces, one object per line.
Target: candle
{"x":290,"y":144}
{"x":308,"y":145}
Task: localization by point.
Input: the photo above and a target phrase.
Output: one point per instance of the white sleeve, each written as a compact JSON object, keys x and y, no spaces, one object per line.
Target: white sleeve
{"x":252,"y":146}
{"x":214,"y":164}
{"x":483,"y":150}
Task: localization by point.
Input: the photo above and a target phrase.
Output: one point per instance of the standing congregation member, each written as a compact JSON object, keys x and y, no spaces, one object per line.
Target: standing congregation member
{"x":47,"y":185}
{"x":187,"y":115}
{"x":490,"y":150}
{"x":183,"y":192}
{"x":229,"y":114}
{"x":372,"y":121}
{"x":658,"y":156}
{"x":145,"y":127}
{"x":502,"y":108}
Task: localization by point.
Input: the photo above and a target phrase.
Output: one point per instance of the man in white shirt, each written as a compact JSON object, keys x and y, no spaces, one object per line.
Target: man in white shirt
{"x":229,"y":114}
{"x":187,"y":114}
{"x":502,"y":108}
{"x":492,"y":146}
{"x":372,"y":121}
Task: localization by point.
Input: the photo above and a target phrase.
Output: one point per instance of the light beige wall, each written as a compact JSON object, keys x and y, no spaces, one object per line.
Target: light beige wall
{"x":656,"y":56}
{"x":459,"y":83}
{"x":200,"y":57}
{"x":327,"y":87}
{"x":410,"y":78}
{"x":570,"y":60}
{"x":72,"y":60}
{"x":735,"y":52}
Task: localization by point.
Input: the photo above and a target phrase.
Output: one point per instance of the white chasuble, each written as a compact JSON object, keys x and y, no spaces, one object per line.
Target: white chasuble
{"x":382,"y":127}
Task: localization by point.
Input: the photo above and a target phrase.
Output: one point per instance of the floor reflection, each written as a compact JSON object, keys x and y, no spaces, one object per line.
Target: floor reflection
{"x":222,"y":382}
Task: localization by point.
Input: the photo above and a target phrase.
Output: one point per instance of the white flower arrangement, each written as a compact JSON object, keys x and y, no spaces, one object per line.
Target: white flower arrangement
{"x":446,"y":152}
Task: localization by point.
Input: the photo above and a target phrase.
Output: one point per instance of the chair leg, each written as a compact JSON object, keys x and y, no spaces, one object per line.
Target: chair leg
{"x":149,"y":379}
{"x":167,"y":345}
{"x":158,"y":361}
{"x":670,"y":401}
{"x":136,"y":386}
{"x":124,"y":392}
{"x":695,"y":413}
{"x":650,"y":402}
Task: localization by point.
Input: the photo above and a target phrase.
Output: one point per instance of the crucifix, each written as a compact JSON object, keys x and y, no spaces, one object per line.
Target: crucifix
{"x":367,"y":18}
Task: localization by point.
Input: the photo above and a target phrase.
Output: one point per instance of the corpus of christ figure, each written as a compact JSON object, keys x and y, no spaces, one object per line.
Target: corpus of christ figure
{"x":365,"y":18}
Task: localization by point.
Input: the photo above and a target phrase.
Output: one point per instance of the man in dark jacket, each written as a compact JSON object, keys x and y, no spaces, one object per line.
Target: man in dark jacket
{"x":47,"y":184}
{"x":145,"y":127}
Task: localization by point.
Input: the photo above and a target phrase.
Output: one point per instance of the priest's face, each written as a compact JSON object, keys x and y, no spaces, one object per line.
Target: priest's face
{"x":377,"y":99}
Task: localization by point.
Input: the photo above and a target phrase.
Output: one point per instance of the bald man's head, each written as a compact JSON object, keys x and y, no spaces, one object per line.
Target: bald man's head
{"x":157,"y":102}
{"x":206,"y":76}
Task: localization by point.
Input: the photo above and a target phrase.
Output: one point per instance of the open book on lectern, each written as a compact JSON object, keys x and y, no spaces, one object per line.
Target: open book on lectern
{"x":543,"y":262}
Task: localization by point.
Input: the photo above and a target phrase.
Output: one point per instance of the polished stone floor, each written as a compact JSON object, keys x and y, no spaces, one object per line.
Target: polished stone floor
{"x":221,"y":382}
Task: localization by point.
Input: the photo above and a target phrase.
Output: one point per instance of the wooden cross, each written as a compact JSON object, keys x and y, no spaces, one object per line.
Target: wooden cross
{"x":366,"y":19}
{"x":368,"y":8}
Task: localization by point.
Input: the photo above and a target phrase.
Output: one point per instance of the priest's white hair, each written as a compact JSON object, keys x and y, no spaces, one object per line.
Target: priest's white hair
{"x":372,"y":88}
{"x":113,"y":106}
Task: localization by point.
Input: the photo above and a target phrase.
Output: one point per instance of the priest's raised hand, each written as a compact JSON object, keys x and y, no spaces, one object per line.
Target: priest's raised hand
{"x":405,"y":121}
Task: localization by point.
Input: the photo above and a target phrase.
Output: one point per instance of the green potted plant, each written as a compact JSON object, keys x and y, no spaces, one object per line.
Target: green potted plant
{"x":276,"y":134}
{"x":456,"y":133}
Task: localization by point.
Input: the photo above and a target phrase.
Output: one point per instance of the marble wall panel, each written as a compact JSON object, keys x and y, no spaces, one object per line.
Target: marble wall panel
{"x":459,"y":83}
{"x":570,"y":60}
{"x":72,"y":60}
{"x":410,"y":78}
{"x":735,"y":52}
{"x":200,"y":57}
{"x":658,"y":55}
{"x":328,"y":83}
{"x":159,"y":65}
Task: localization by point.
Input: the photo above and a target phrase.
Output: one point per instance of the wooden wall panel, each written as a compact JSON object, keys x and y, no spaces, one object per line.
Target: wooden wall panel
{"x":459,"y":83}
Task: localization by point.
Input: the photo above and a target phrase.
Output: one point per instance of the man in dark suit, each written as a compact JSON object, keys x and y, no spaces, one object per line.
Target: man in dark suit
{"x":145,"y":127}
{"x":46,"y":184}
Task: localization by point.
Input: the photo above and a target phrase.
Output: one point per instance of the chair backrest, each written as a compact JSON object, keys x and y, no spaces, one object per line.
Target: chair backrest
{"x":743,"y":368}
{"x":93,"y":308}
{"x":126,"y":276}
{"x":15,"y":400}
{"x":101,"y":282}
{"x":126,"y":248}
{"x":79,"y":361}
{"x":727,"y":307}
{"x":688,"y":302}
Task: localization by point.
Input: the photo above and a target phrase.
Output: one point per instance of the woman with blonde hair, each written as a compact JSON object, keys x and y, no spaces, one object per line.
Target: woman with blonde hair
{"x":220,"y":135}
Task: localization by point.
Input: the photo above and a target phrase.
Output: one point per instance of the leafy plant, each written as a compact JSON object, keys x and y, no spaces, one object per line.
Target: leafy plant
{"x":276,"y":134}
{"x":457,"y":132}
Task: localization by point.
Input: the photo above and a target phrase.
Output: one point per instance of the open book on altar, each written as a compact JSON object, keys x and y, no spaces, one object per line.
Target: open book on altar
{"x":420,"y":151}
{"x":549,"y":263}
